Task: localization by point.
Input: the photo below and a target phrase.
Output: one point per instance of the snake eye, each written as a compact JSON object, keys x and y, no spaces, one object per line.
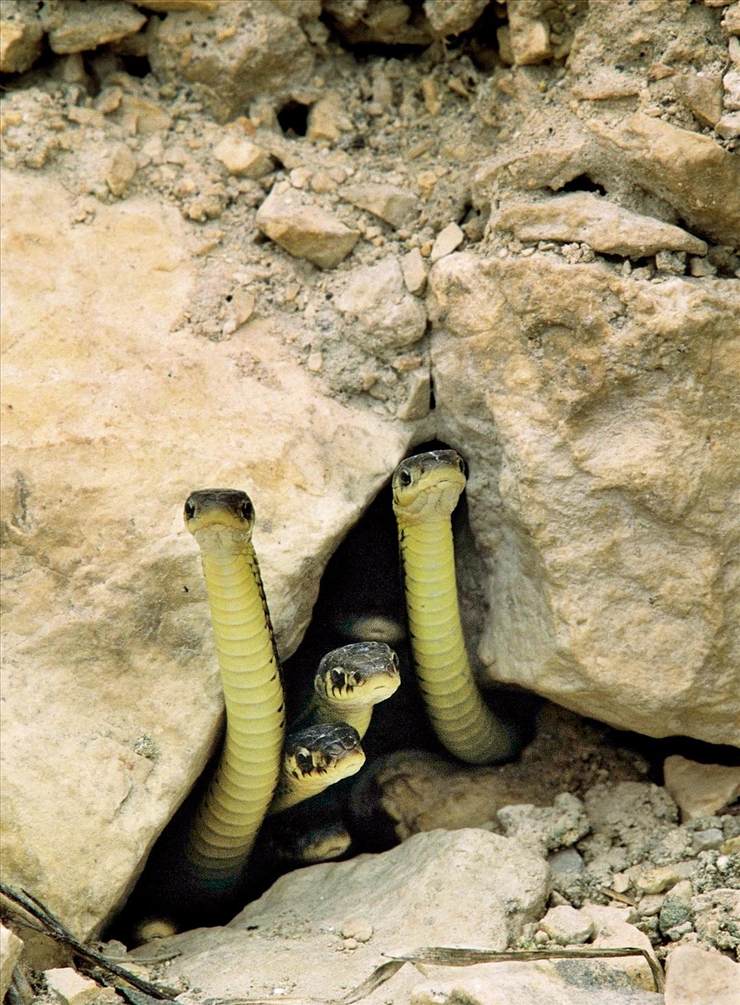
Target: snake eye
{"x":303,"y":759}
{"x":189,"y":510}
{"x":338,"y":678}
{"x":404,"y":476}
{"x":246,"y":509}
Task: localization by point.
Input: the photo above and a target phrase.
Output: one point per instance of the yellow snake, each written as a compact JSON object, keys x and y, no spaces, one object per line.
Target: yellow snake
{"x":315,"y":758}
{"x":230,"y":815}
{"x":426,"y":488}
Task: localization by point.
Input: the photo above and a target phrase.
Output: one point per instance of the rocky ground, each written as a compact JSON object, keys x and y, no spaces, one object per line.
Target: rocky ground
{"x":276,"y":244}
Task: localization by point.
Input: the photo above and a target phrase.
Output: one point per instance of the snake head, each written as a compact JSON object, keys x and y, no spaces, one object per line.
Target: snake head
{"x":362,"y":673}
{"x":332,"y":749}
{"x":225,"y":509}
{"x":427,"y":486}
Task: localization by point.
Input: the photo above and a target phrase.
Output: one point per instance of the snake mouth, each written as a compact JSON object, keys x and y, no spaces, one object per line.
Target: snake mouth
{"x":222,"y":508}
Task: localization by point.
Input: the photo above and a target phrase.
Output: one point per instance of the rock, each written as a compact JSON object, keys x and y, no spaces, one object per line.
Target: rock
{"x":702,"y":95}
{"x":414,"y":271}
{"x":363,"y":22}
{"x":565,"y":982}
{"x":119,"y":676}
{"x":11,"y":948}
{"x":452,"y":18}
{"x":165,"y":6}
{"x":243,"y":158}
{"x":597,"y":455}
{"x":690,"y":171}
{"x":394,"y":205}
{"x":20,"y":38}
{"x":76,"y":26}
{"x":69,"y":987}
{"x":142,"y":117}
{"x":700,"y":790}
{"x":567,"y":926}
{"x":328,"y":118}
{"x":657,"y":879}
{"x":232,"y":54}
{"x":550,"y":827}
{"x":566,"y":862}
{"x":446,"y":241}
{"x":529,"y":35}
{"x":697,"y":976}
{"x":611,"y":930}
{"x":731,"y":19}
{"x":729,"y":126}
{"x":120,"y":170}
{"x":471,"y":887}
{"x":387,"y":317}
{"x":676,"y":907}
{"x":305,"y":230}
{"x":605,"y":226}
{"x":358,"y":929}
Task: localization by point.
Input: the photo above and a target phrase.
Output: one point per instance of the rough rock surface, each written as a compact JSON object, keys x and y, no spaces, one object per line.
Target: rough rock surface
{"x":606,"y":504}
{"x":700,"y":789}
{"x":697,"y":977}
{"x":306,"y":231}
{"x":498,"y":887}
{"x":10,"y":950}
{"x":104,"y":598}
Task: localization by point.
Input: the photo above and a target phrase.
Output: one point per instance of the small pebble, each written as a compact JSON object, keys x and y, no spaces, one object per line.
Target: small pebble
{"x":350,"y":944}
{"x":708,"y":839}
{"x":447,"y":241}
{"x":358,"y":929}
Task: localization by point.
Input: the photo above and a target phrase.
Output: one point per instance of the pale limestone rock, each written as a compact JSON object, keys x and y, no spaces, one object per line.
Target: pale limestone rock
{"x":690,"y":171}
{"x":232,"y":54}
{"x":731,"y":19}
{"x":567,"y":926}
{"x":165,"y":6}
{"x":731,"y":87}
{"x":451,"y":18}
{"x":700,"y":790}
{"x":141,"y":116}
{"x":529,"y":35}
{"x":76,"y":26}
{"x":328,"y":118}
{"x":386,"y":316}
{"x":699,"y":976}
{"x":108,"y":647}
{"x":605,"y":226}
{"x":446,"y":241}
{"x":546,"y":827}
{"x":416,"y":405}
{"x":612,"y":518}
{"x":394,"y":205}
{"x":120,"y":170}
{"x":20,"y":38}
{"x":11,"y":948}
{"x":469,"y":887}
{"x":729,"y":126}
{"x":611,"y":930}
{"x":69,"y":987}
{"x":305,"y":230}
{"x":702,"y":95}
{"x":583,"y":983}
{"x":414,"y":271}
{"x":243,"y":158}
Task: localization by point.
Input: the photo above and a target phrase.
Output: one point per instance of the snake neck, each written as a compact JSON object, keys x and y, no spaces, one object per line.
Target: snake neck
{"x":230,"y":815}
{"x":461,"y":719}
{"x":357,"y":716}
{"x":290,"y":791}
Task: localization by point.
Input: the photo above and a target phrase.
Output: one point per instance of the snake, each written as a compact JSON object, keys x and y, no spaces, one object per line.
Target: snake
{"x":315,"y":758}
{"x":426,"y":488}
{"x":229,"y":816}
{"x":350,"y":681}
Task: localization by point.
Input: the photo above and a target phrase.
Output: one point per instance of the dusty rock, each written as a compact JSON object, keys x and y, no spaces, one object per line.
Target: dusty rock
{"x":564,"y":982}
{"x":567,"y":926}
{"x":529,"y":34}
{"x":232,"y":54}
{"x":686,"y":169}
{"x":11,"y":948}
{"x":695,"y":976}
{"x":120,"y":669}
{"x":452,"y":18}
{"x":611,"y":929}
{"x":731,"y":19}
{"x":469,"y":887}
{"x":548,"y":827}
{"x":305,"y":230}
{"x":414,"y":271}
{"x":393,"y":205}
{"x":729,"y":125}
{"x":700,"y":789}
{"x":446,"y":241}
{"x":241,"y":157}
{"x":20,"y":38}
{"x":387,"y":316}
{"x":76,"y":26}
{"x":676,"y":906}
{"x":367,"y":21}
{"x":328,"y":118}
{"x":120,"y":170}
{"x":731,"y":87}
{"x":572,"y":401}
{"x":702,"y":95}
{"x":165,"y":6}
{"x":68,"y":987}
{"x":605,"y":226}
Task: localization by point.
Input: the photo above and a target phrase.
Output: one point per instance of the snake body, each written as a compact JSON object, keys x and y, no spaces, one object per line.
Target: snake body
{"x":230,"y":814}
{"x":426,"y":488}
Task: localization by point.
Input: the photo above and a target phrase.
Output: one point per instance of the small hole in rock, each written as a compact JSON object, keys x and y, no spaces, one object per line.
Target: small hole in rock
{"x":293,"y":118}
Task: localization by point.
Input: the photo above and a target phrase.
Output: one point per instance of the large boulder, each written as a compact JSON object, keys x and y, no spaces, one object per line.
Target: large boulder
{"x":599,"y":416}
{"x":113,"y":411}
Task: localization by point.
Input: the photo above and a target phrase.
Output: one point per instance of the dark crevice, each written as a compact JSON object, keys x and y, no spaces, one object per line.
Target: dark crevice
{"x":293,"y":118}
{"x":582,"y":183}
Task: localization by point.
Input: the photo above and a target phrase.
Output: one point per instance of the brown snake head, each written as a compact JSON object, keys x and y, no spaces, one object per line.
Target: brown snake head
{"x":329,"y":748}
{"x":362,"y":673}
{"x":427,"y":486}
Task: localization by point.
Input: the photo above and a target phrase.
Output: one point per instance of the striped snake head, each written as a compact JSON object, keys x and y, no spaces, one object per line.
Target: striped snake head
{"x":427,"y":486}
{"x":219,"y":517}
{"x":360,"y":674}
{"x":330,"y":749}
